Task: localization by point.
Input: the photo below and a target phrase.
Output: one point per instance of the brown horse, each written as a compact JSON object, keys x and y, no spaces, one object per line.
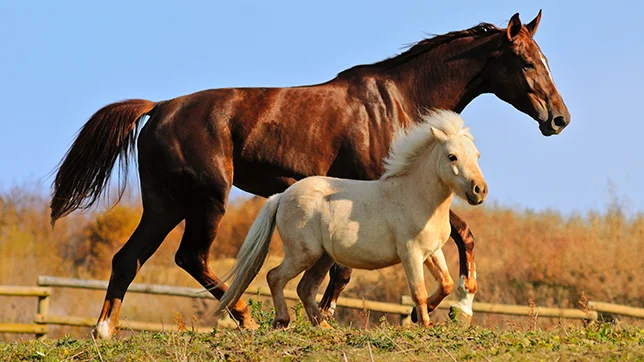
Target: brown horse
{"x":194,"y":148}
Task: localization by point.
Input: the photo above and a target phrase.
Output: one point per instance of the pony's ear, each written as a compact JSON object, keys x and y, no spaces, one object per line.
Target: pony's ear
{"x":440,"y":135}
{"x":534,"y":24}
{"x":514,"y":27}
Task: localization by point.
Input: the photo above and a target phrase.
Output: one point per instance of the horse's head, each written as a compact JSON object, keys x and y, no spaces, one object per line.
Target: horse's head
{"x":520,"y":76}
{"x":458,"y":165}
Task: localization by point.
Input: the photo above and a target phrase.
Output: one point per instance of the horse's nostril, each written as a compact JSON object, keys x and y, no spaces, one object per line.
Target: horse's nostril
{"x":477,"y":190}
{"x":559,"y":122}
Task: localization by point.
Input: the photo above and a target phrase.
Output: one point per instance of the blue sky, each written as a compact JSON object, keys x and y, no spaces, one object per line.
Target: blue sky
{"x":62,"y":61}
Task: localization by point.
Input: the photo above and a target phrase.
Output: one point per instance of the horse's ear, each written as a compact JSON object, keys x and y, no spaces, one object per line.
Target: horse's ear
{"x":514,"y":27}
{"x":440,"y":135}
{"x":534,"y":24}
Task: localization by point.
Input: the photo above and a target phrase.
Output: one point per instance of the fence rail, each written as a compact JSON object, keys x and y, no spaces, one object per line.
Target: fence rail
{"x":43,"y":292}
{"x":519,"y":310}
{"x":201,"y":293}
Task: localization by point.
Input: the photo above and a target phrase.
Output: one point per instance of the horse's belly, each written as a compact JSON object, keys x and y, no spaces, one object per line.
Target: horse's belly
{"x":373,"y":254}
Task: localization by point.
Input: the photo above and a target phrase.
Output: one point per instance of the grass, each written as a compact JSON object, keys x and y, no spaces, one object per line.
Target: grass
{"x":447,"y":341}
{"x":302,"y":342}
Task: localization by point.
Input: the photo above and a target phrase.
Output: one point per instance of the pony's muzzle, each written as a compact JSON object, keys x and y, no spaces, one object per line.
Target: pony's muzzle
{"x":478,"y":193}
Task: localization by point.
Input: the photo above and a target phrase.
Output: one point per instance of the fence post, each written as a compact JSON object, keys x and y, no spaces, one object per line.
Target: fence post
{"x":43,"y":309}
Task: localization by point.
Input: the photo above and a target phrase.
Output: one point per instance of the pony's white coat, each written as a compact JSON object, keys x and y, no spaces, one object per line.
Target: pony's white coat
{"x":402,"y":217}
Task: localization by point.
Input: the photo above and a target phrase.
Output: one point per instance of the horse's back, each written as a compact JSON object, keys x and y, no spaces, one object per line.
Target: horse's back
{"x":264,"y":139}
{"x":343,"y":216}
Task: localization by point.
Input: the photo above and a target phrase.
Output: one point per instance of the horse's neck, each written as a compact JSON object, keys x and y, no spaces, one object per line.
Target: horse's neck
{"x":446,"y":78}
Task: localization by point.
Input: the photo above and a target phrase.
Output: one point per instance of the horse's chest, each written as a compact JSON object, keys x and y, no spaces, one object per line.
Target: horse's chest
{"x":431,"y":239}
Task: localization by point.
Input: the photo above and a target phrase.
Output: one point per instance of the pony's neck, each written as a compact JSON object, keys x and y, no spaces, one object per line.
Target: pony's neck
{"x":447,"y":77}
{"x":423,"y":186}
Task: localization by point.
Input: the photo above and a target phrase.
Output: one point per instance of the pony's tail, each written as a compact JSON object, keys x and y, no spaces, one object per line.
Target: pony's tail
{"x":252,"y":254}
{"x":87,"y":166}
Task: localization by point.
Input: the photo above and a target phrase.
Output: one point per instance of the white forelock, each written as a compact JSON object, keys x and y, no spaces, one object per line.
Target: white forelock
{"x":410,"y":142}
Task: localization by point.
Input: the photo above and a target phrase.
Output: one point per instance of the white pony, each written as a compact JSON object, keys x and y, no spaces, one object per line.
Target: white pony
{"x":403,"y":217}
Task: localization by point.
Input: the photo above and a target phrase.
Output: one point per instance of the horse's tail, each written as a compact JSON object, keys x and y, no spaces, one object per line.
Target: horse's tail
{"x":87,"y":166}
{"x":252,"y":254}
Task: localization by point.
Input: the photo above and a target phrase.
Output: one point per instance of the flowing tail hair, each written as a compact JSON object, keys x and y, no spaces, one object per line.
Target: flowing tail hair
{"x":86,"y":168}
{"x":252,"y":253}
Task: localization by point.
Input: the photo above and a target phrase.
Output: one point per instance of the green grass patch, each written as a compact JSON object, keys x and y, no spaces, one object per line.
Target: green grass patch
{"x":302,"y":342}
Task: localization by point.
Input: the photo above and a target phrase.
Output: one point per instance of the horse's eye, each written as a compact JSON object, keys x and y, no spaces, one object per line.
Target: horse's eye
{"x":452,"y":158}
{"x":528,"y":65}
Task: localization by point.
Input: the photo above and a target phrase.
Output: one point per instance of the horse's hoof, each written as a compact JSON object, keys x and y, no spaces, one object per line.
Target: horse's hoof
{"x":102,"y":331}
{"x":280,"y":324}
{"x":460,"y":316}
{"x":332,"y":308}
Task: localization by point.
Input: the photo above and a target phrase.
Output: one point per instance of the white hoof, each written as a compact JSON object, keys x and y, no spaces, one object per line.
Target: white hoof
{"x":332,"y":308}
{"x":465,"y":299}
{"x":102,"y":330}
{"x":465,"y":306}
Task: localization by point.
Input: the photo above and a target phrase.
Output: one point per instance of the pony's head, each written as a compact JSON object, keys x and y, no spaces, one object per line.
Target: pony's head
{"x":454,"y":157}
{"x":457,"y":161}
{"x":520,"y":75}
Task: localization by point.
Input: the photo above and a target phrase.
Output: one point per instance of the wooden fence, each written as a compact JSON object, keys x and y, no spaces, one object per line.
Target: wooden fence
{"x":43,"y":319}
{"x":43,"y":294}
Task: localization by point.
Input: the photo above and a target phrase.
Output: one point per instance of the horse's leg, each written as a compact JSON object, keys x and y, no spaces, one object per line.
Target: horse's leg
{"x":202,"y":222}
{"x":467,"y":287}
{"x":339,"y":277}
{"x":413,"y":265}
{"x":308,"y":287}
{"x":160,"y":216}
{"x":438,"y":267}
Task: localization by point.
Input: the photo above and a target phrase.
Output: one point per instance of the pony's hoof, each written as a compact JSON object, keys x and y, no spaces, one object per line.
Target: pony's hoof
{"x":326,"y":325}
{"x":429,"y":324}
{"x":249,"y":324}
{"x":414,"y":315}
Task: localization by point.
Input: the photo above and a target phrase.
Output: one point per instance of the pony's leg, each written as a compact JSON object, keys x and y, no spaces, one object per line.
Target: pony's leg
{"x":438,"y":267}
{"x":339,"y":277}
{"x":201,"y":228}
{"x":308,"y":287}
{"x":467,"y":286}
{"x":413,"y":265}
{"x":277,"y":279}
{"x":464,"y":240}
{"x":160,"y":216}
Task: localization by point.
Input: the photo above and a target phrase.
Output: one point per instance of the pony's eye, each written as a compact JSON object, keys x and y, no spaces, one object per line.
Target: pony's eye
{"x":452,"y":158}
{"x":528,"y":65}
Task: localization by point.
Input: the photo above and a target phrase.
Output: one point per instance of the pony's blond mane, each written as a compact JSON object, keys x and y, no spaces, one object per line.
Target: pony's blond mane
{"x":410,"y":143}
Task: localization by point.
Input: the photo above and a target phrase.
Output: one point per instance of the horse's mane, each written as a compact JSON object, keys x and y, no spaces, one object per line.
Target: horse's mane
{"x":410,"y":143}
{"x":426,"y":45}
